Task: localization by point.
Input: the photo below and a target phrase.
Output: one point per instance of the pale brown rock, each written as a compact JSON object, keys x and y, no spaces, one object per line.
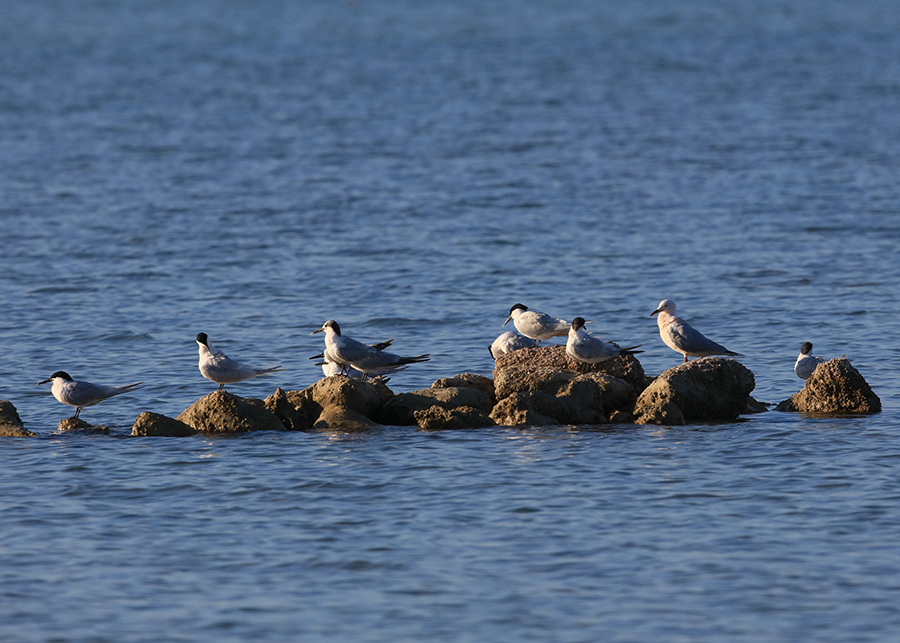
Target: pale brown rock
{"x":223,"y":412}
{"x":437,"y":418}
{"x":467,"y":380}
{"x":79,"y":425}
{"x":11,"y":424}
{"x":708,"y":389}
{"x":155,"y":424}
{"x":835,"y":387}
{"x":336,"y":402}
{"x":288,"y":406}
{"x":624,"y":368}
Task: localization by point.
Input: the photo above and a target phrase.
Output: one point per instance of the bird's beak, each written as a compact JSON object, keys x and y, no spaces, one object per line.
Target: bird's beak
{"x":319,"y":356}
{"x":507,"y":319}
{"x":655,"y":311}
{"x":318,"y":330}
{"x":50,"y":379}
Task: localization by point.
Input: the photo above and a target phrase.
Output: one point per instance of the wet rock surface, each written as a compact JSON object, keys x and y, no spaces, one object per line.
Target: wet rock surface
{"x":437,"y":418}
{"x":400,"y":410}
{"x":78,"y":425}
{"x":155,"y":424}
{"x":708,"y":389}
{"x":223,"y":412}
{"x":11,"y":424}
{"x":336,"y":402}
{"x":835,"y":387}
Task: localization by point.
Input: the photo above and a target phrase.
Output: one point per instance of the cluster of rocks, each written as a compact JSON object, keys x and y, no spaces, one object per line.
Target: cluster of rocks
{"x":530,"y":387}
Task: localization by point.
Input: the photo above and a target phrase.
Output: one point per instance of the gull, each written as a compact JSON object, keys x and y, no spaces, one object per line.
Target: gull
{"x":369,"y":360}
{"x":216,"y":366}
{"x":682,"y":338}
{"x":82,"y":394}
{"x":535,"y":325}
{"x":508,"y":342}
{"x":806,"y":362}
{"x":584,"y":347}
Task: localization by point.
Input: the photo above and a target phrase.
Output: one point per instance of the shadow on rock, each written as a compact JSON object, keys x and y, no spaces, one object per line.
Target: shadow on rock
{"x":11,"y":425}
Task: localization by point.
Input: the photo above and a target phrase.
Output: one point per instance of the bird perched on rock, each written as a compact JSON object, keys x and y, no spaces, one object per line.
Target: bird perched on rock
{"x":216,"y":366}
{"x":806,"y":362}
{"x":584,"y":347}
{"x":332,"y":368}
{"x":369,"y":360}
{"x":536,"y":326}
{"x":508,"y":342}
{"x":681,"y":337}
{"x":82,"y":394}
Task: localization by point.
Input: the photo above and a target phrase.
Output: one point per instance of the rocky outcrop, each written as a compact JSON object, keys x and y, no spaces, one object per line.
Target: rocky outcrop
{"x":401,"y":409}
{"x":11,"y":425}
{"x":708,"y":389}
{"x":436,"y":418}
{"x":222,"y":412}
{"x":336,"y":402}
{"x":542,"y":386}
{"x":835,"y":387}
{"x":74,"y":424}
{"x":154,"y":424}
{"x":467,"y":380}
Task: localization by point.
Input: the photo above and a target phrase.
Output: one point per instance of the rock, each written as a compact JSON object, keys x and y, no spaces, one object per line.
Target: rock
{"x":80,"y":426}
{"x":437,"y":418}
{"x":835,"y":387}
{"x":755,"y":406}
{"x":154,"y":424}
{"x":467,"y":380}
{"x":289,"y":408}
{"x":708,"y":389}
{"x":400,"y":410}
{"x":624,"y":368}
{"x":336,"y":402}
{"x":222,"y":412}
{"x":554,"y":397}
{"x":519,"y":409}
{"x":11,"y":425}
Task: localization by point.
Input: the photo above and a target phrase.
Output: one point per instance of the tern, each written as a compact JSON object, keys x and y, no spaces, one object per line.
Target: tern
{"x":806,"y":362}
{"x":536,"y":326}
{"x":682,"y":338}
{"x":584,"y":347}
{"x":82,"y":394}
{"x":330,"y":368}
{"x":369,"y":360}
{"x":508,"y":342}
{"x":216,"y":366}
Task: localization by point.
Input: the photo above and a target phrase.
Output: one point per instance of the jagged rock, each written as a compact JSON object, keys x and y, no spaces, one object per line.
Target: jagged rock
{"x":518,"y":409}
{"x":79,"y":425}
{"x":708,"y":389}
{"x":154,"y":424}
{"x":437,"y":418}
{"x":289,"y":408}
{"x":336,"y":402}
{"x":222,"y":412}
{"x":11,"y":425}
{"x":553,"y":397}
{"x":468,"y":380}
{"x":755,"y":406}
{"x":835,"y":387}
{"x":400,"y":410}
{"x":554,"y":357}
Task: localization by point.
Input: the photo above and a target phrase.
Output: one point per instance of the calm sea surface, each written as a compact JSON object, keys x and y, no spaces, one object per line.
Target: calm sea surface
{"x":412,"y":170}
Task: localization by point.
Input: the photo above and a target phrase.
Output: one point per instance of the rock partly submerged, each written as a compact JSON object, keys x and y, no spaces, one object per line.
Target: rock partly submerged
{"x":711,"y":389}
{"x":11,"y":425}
{"x":224,"y":412}
{"x":155,"y":424}
{"x":836,"y":387}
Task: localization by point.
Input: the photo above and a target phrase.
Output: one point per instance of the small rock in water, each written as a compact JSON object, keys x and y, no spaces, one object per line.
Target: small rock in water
{"x":155,"y":424}
{"x":11,"y":424}
{"x":835,"y":387}
{"x":222,"y":412}
{"x":79,"y":425}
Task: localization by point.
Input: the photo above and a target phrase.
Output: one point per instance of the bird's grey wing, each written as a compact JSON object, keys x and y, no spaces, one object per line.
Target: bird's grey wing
{"x":689,"y":339}
{"x":88,"y":393}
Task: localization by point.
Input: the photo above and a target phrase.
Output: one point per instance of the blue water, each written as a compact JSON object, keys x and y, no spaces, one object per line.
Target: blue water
{"x":412,"y":169}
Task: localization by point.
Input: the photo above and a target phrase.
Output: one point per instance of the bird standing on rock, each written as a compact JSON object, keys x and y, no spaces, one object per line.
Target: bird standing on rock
{"x":82,"y":394}
{"x":806,"y":362}
{"x":369,"y":360}
{"x":584,"y":347}
{"x":536,"y":326}
{"x":682,"y":338}
{"x":216,"y":366}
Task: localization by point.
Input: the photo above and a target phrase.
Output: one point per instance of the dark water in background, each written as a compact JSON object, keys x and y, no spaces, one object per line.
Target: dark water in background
{"x":412,"y":170}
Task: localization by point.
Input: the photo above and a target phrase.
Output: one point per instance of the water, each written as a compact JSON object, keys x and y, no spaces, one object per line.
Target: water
{"x":412,"y":170}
